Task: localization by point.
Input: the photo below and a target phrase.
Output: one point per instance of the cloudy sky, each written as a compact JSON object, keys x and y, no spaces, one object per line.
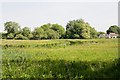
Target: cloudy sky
{"x":99,"y":15}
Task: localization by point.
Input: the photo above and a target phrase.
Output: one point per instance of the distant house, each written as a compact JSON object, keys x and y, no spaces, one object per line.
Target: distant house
{"x":111,"y":35}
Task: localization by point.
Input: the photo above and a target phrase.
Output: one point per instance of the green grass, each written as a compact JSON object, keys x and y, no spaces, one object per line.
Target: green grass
{"x":64,"y":58}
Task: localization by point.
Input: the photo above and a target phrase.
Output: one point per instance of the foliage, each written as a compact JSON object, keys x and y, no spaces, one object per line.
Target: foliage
{"x":3,"y":35}
{"x":10,"y":36}
{"x":100,"y":33}
{"x":76,"y":36}
{"x":0,"y":35}
{"x":20,"y":36}
{"x":93,"y":33}
{"x":113,"y":29}
{"x":26,"y":31}
{"x":38,"y":33}
{"x":45,"y":27}
{"x":59,"y":29}
{"x":79,"y":27}
{"x":30,"y":36}
{"x":53,"y":69}
{"x":51,"y":34}
{"x":75,"y":29}
{"x":12,"y":27}
{"x":48,"y":31}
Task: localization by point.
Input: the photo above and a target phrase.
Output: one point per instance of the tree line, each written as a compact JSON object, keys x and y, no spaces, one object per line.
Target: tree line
{"x":75,"y":29}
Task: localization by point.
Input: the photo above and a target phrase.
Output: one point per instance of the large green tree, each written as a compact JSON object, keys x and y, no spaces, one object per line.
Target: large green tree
{"x":49,"y":31}
{"x":59,"y":29}
{"x":113,"y":29}
{"x":93,"y":33}
{"x":38,"y":33}
{"x":26,"y":32}
{"x":51,"y":34}
{"x":45,"y":27}
{"x":78,"y":29}
{"x":12,"y":27}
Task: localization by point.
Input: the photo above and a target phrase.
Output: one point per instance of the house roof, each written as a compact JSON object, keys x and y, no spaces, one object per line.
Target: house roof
{"x":113,"y":34}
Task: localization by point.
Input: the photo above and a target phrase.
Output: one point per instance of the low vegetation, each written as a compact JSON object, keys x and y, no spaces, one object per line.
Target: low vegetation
{"x":61,"y":58}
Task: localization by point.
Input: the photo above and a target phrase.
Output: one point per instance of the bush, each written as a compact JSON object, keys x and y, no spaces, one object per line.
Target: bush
{"x":20,"y":36}
{"x":10,"y":36}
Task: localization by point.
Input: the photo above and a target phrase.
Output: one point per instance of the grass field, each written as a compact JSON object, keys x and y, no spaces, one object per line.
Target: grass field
{"x":64,"y":58}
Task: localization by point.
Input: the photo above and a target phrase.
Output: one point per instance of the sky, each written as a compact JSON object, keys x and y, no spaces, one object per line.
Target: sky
{"x":100,"y":15}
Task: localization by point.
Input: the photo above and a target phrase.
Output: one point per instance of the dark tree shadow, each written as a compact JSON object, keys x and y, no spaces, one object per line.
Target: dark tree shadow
{"x":61,"y":69}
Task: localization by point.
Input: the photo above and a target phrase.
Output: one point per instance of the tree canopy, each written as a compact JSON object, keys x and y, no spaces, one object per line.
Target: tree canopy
{"x":49,"y":31}
{"x":75,"y":29}
{"x":12,"y":27}
{"x":113,"y":29}
{"x":80,"y":29}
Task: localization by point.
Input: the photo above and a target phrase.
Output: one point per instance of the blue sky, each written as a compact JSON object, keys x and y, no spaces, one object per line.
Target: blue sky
{"x":99,"y":15}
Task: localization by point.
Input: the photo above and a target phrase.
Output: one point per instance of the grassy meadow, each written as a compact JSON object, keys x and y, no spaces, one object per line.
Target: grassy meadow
{"x":60,"y":58}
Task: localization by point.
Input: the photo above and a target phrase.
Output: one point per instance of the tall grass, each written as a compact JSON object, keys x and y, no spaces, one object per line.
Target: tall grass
{"x":69,"y":59}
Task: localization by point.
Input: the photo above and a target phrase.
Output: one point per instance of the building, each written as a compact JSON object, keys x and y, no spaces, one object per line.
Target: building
{"x":111,"y":35}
